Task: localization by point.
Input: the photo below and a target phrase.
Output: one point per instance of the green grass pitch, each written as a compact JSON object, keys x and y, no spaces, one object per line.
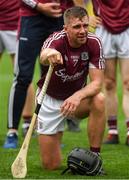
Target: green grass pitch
{"x":115,"y":157}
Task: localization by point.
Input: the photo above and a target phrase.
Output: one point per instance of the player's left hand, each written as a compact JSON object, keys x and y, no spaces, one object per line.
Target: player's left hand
{"x":70,"y":105}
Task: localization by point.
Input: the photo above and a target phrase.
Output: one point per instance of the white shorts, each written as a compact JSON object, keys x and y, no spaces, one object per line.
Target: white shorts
{"x":8,"y":41}
{"x":50,"y":120}
{"x":114,"y":45}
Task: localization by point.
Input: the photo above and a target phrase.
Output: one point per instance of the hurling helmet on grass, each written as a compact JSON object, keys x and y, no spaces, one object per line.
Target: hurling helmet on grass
{"x":84,"y":162}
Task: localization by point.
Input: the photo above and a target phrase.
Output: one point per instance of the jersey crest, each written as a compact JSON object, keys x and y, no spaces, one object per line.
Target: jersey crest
{"x":84,"y":56}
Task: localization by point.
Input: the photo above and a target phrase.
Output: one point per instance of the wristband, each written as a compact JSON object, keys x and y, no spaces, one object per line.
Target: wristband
{"x":31,"y":3}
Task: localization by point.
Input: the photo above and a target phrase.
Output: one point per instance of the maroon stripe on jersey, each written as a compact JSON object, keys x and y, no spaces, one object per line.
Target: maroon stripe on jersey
{"x":101,"y":59}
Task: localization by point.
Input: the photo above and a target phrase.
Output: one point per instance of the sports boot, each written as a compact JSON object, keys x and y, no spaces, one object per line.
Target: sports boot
{"x":112,"y":139}
{"x":127,"y":141}
{"x":11,"y":141}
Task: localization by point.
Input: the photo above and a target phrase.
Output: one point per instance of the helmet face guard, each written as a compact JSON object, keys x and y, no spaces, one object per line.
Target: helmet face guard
{"x":84,"y":162}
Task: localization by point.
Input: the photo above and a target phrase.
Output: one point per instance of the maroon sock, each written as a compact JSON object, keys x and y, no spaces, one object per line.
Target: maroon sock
{"x":95,"y":150}
{"x":127,"y":125}
{"x":112,"y":122}
{"x":27,"y":119}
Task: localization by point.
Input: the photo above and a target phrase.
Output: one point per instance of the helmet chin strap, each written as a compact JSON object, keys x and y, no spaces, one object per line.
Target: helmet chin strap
{"x":64,"y":171}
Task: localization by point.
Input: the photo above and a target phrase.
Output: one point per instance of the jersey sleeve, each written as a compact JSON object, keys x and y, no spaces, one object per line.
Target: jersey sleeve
{"x":96,"y":54}
{"x":31,"y":3}
{"x":96,"y":8}
{"x":54,"y":41}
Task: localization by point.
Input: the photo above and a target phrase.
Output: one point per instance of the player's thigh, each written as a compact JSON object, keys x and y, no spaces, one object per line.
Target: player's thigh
{"x":124,"y":68}
{"x":9,"y":40}
{"x":110,"y":76}
{"x":122,"y":44}
{"x":108,"y":42}
{"x":86,"y":106}
{"x":110,"y":68}
{"x":83,"y":109}
{"x":110,"y":52}
{"x":50,"y":121}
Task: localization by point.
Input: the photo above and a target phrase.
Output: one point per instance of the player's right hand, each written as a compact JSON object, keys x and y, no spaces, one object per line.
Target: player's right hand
{"x":54,"y":57}
{"x":50,"y":9}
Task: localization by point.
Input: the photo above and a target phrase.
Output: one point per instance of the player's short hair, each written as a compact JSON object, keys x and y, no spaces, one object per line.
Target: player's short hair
{"x":76,"y":11}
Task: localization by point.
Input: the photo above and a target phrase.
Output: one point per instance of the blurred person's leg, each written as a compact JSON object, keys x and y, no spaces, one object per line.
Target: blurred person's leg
{"x":111,"y":100}
{"x":124,"y":67}
{"x":110,"y":53}
{"x":26,"y":55}
{"x":28,"y":109}
{"x":9,"y":40}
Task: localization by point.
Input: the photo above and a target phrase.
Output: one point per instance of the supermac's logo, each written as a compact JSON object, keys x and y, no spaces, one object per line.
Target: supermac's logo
{"x":84,"y":56}
{"x":65,"y":77}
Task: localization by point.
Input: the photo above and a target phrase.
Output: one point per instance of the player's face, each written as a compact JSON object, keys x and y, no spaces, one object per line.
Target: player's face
{"x":77,"y":31}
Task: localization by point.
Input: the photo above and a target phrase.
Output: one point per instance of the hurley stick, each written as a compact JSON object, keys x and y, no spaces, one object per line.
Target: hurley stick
{"x":19,"y":166}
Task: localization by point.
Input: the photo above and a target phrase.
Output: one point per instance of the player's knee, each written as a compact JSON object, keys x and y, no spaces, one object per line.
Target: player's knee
{"x":23,"y":81}
{"x":99,"y":102}
{"x":110,"y":84}
{"x":126,"y":85}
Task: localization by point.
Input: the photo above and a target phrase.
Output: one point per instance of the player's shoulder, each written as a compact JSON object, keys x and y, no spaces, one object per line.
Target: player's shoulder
{"x":56,"y":37}
{"x":93,"y":38}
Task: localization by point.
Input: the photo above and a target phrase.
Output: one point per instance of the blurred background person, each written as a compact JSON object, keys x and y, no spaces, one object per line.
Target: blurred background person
{"x":9,"y":15}
{"x":111,"y":23}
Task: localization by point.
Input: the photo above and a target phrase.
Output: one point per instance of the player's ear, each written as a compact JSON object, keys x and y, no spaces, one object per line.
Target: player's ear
{"x":65,"y":27}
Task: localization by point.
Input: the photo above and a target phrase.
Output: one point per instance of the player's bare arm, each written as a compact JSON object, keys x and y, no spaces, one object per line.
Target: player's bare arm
{"x":93,"y":88}
{"x":50,"y":56}
{"x":49,"y":9}
{"x":79,"y":3}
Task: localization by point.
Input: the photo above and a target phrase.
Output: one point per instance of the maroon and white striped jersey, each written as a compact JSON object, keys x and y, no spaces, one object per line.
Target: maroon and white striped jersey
{"x":28,"y":10}
{"x":114,"y":14}
{"x":72,"y":75}
{"x":9,"y":14}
